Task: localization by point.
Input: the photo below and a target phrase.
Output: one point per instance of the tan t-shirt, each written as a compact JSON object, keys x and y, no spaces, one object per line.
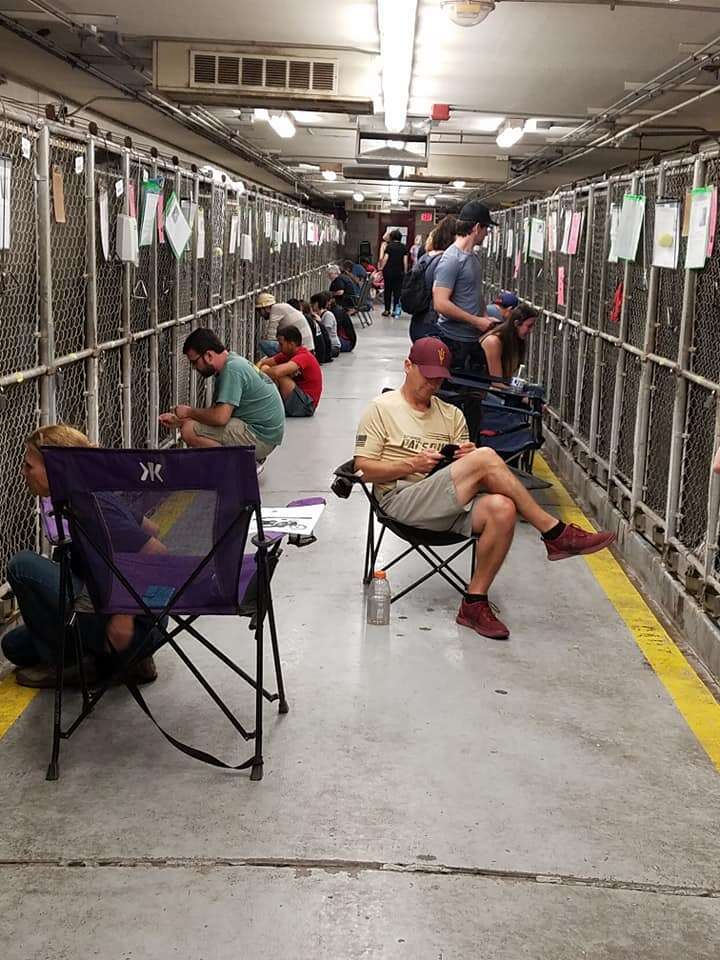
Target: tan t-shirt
{"x":390,"y":429}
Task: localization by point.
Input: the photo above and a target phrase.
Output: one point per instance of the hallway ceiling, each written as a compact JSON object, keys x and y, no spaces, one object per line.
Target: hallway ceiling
{"x":556,"y":64}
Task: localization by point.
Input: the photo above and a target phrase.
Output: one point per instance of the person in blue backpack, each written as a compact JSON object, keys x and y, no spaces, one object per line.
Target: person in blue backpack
{"x":416,"y":294}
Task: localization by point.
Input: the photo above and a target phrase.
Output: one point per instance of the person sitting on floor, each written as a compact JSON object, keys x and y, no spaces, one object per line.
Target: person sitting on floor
{"x":398,"y":448}
{"x":319,"y":303}
{"x":35,"y":582}
{"x":296,"y":373}
{"x":504,"y":347}
{"x":502,"y":306}
{"x":246,"y":409}
{"x":274,"y":317}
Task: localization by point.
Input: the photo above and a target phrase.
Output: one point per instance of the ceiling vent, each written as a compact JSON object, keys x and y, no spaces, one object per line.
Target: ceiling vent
{"x":274,"y":74}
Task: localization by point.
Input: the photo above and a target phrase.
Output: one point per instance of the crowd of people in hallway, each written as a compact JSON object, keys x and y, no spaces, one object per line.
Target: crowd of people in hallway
{"x":413,"y":446}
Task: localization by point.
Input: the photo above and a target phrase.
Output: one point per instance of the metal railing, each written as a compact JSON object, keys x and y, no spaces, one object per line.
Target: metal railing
{"x":632,"y":392}
{"x":96,"y":342}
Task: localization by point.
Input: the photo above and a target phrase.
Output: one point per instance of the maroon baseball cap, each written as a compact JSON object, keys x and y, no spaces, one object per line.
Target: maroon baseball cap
{"x":432,"y":356}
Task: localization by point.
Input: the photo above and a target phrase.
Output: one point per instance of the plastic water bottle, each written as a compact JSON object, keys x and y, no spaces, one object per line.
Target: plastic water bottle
{"x":518,"y":382}
{"x":378,"y":601}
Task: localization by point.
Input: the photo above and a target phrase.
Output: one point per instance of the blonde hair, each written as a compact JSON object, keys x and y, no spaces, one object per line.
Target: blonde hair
{"x":57,"y":435}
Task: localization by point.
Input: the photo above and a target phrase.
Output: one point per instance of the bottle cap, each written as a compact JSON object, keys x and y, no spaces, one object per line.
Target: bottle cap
{"x":379,"y":575}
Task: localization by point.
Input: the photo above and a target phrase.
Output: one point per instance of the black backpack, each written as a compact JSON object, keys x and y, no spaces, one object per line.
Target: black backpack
{"x":345,"y":328}
{"x":416,"y":293}
{"x":321,"y":340}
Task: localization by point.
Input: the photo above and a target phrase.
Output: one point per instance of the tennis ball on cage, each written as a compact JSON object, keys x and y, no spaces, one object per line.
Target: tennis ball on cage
{"x":665,"y":240}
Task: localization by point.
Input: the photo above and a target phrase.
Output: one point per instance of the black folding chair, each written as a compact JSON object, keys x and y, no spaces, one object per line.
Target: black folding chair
{"x":421,"y":542}
{"x":204,"y":501}
{"x":364,"y":305}
{"x":509,"y":423}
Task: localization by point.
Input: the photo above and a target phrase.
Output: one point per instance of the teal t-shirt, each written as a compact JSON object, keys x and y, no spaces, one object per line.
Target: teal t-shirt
{"x":254,"y":396}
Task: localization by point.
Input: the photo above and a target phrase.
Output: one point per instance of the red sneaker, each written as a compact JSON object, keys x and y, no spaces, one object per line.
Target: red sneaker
{"x":575,"y":542}
{"x":479,"y":617}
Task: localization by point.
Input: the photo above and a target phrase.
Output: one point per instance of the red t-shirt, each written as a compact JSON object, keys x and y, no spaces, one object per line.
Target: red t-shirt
{"x":309,"y":377}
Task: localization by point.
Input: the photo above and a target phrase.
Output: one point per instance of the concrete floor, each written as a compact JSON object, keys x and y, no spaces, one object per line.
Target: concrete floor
{"x":431,"y":794}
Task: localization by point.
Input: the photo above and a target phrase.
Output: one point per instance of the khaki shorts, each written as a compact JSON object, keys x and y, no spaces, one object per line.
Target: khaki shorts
{"x":429,"y":504}
{"x":235,"y":433}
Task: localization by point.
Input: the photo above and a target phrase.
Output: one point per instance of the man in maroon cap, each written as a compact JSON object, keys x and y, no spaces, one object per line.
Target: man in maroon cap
{"x":398,"y":446}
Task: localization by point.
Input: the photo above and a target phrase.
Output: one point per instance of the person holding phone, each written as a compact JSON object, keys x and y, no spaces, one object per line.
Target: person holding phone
{"x":416,"y":451}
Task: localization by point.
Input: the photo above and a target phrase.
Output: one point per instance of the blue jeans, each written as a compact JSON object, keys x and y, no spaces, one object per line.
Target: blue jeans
{"x":35,"y":581}
{"x":269,"y":348}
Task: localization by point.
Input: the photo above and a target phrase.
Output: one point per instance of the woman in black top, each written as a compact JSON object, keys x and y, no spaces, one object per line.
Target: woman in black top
{"x":394,"y":266}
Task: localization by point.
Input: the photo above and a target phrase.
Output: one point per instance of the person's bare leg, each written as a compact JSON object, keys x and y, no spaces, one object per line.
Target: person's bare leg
{"x":192,"y":439}
{"x":483,"y":469}
{"x":285,"y":385}
{"x":493,"y":517}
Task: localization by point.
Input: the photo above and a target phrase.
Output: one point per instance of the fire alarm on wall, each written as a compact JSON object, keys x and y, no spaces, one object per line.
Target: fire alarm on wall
{"x":440,"y":111}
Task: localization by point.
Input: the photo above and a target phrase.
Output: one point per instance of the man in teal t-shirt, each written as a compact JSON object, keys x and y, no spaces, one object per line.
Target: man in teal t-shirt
{"x":247,"y":408}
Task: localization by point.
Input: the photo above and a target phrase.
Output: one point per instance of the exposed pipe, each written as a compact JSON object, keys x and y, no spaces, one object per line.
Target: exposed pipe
{"x":224,"y":138}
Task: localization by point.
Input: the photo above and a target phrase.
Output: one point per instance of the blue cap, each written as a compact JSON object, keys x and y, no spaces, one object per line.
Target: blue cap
{"x":506,"y":300}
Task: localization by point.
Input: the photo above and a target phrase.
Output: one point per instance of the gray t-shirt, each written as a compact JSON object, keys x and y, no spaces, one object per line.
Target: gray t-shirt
{"x":460,"y":272}
{"x":254,"y":396}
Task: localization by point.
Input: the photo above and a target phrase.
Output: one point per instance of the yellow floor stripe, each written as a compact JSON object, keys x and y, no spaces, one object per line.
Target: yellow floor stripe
{"x":13,"y":701}
{"x":696,"y":704}
{"x":170,"y":511}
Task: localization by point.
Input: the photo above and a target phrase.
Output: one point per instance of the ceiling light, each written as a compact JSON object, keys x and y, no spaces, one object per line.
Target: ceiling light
{"x":458,"y":184}
{"x":397,"y":19}
{"x":489,"y":124}
{"x":531,"y":125}
{"x":358,"y":197}
{"x":309,"y":166}
{"x":430,"y":201}
{"x":259,"y":113}
{"x":329,"y":175}
{"x":467,"y":13}
{"x":306,"y":116}
{"x":395,"y":170}
{"x":282,"y":125}
{"x":394,"y":190}
{"x":510,"y":132}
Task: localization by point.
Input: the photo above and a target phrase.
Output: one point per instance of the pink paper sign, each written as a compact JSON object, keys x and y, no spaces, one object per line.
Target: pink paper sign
{"x":561,"y":287}
{"x":161,"y":219}
{"x":132,"y":204}
{"x":517,"y":264}
{"x":575,"y":227}
{"x":713,"y":222}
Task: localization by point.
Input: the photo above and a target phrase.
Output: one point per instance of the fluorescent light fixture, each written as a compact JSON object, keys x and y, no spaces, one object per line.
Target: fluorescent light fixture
{"x":329,"y":175}
{"x":430,"y":201}
{"x":395,"y":171}
{"x":306,"y":116}
{"x":282,"y":125}
{"x":510,"y":132}
{"x":261,"y":114}
{"x":358,"y":197}
{"x":488,"y":124}
{"x":394,"y":190}
{"x":314,"y":167}
{"x":457,"y":184}
{"x":530,"y":125}
{"x":397,"y":20}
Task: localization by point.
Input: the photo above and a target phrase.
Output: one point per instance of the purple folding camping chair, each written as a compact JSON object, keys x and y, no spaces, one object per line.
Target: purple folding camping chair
{"x":162,"y":535}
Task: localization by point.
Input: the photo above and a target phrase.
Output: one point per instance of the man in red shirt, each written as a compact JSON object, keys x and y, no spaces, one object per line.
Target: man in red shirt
{"x":296,"y":373}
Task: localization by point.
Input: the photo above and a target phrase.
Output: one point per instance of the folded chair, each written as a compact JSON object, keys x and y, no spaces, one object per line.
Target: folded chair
{"x":364,"y":304}
{"x":202,"y":503}
{"x":421,"y":542}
